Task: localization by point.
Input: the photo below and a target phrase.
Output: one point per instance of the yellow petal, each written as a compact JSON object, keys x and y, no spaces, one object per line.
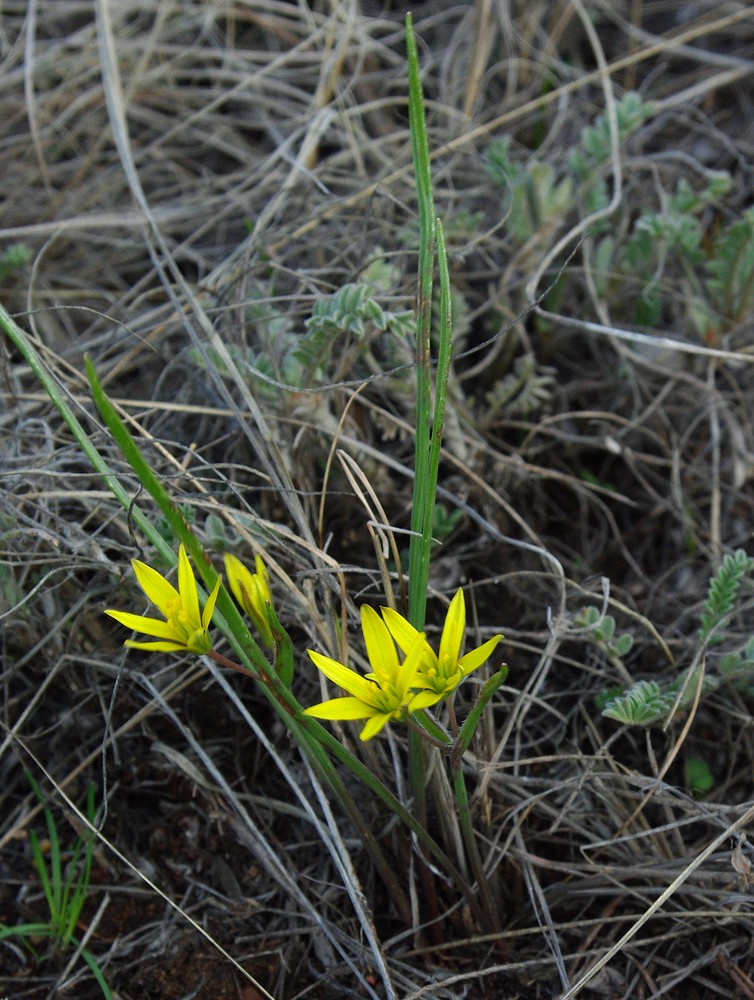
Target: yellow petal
{"x":401,"y":630}
{"x":345,"y":678}
{"x":209,"y":607}
{"x":264,"y":579}
{"x":425,"y":699}
{"x":341,"y":708}
{"x":476,"y":657}
{"x":252,"y":592}
{"x":187,"y":589}
{"x":149,"y":626}
{"x":453,"y":629}
{"x":156,"y":647}
{"x":407,"y":675}
{"x":373,"y":726}
{"x":258,"y":610}
{"x":156,"y":587}
{"x":236,"y":571}
{"x":381,"y":652}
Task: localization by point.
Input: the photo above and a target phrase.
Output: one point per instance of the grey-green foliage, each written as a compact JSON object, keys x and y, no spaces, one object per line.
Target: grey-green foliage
{"x":630,"y":114}
{"x":738,"y":666}
{"x":590,"y":159}
{"x":675,"y":236}
{"x":601,"y":629}
{"x":677,"y":227}
{"x":15,"y":257}
{"x":723,"y":593}
{"x":649,"y":701}
{"x":282,"y":353}
{"x":642,"y":704}
{"x":638,"y":261}
{"x":349,"y":310}
{"x":522,"y":391}
{"x":540,"y":193}
{"x":536,"y":195}
{"x":350,"y":316}
{"x":671,"y":244}
{"x":730,"y":270}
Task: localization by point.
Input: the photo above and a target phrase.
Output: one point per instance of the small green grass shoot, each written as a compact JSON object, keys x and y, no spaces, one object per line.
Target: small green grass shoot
{"x":65,"y":888}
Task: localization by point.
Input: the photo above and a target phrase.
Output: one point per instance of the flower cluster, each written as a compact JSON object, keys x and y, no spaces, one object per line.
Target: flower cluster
{"x":252,"y":591}
{"x":185,"y":626}
{"x":394,"y":688}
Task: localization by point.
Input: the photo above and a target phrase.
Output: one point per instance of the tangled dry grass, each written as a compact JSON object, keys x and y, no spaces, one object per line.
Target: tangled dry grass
{"x":189,"y":179}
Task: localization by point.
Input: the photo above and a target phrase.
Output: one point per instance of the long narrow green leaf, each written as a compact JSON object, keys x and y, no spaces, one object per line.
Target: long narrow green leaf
{"x":26,"y":930}
{"x":51,"y":880}
{"x":444,"y":355}
{"x":96,"y":971}
{"x":59,"y":399}
{"x":421,"y":511}
{"x":80,"y":885}
{"x":44,"y":876}
{"x":245,"y":645}
{"x":485,"y":905}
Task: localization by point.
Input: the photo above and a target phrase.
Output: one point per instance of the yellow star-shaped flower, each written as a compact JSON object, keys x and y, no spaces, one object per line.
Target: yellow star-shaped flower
{"x":185,"y":627}
{"x":383,"y":695}
{"x":439,"y":675}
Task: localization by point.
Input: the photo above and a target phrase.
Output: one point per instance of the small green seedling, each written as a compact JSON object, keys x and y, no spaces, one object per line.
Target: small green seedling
{"x":601,"y":630}
{"x":64,"y":890}
{"x":699,"y":777}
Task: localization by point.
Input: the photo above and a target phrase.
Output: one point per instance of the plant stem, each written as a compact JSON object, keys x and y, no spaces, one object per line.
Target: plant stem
{"x":485,"y":905}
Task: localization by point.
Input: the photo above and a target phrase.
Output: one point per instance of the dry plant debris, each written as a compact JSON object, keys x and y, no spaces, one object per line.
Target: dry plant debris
{"x":188,"y":189}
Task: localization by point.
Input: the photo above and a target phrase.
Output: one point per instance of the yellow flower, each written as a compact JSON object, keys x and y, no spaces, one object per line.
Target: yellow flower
{"x":385,"y":693}
{"x":439,"y":676}
{"x":252,"y":591}
{"x":184,"y":627}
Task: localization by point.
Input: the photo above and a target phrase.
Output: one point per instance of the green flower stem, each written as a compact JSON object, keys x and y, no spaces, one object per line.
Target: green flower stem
{"x":452,"y":719}
{"x":464,"y":738}
{"x":427,"y":726}
{"x":484,"y":906}
{"x":490,"y":916}
{"x":440,"y":744}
